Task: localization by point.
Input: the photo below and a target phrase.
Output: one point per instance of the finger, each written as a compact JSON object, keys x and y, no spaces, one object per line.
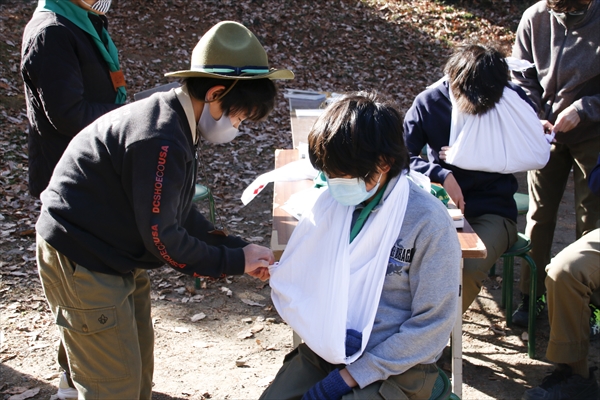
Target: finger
{"x":260,"y":273}
{"x":265,"y":275}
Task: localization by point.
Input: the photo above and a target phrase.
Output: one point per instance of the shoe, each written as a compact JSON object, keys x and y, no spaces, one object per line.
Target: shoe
{"x":521,"y":315}
{"x":562,"y":384}
{"x":594,"y":323}
{"x":64,"y":390}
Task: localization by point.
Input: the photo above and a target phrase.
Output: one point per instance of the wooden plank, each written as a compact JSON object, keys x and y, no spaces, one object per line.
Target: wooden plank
{"x":470,"y":244}
{"x":301,"y":127}
{"x":283,"y":222}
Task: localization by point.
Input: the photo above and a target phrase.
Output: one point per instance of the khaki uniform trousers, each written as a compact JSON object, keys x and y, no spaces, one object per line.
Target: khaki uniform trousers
{"x":546,"y":189}
{"x":498,"y":234}
{"x":573,"y":282}
{"x":105,"y":326}
{"x":302,"y":369}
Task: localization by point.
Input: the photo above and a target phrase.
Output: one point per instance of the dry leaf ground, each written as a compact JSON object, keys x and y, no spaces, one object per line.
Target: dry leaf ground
{"x":236,"y":342}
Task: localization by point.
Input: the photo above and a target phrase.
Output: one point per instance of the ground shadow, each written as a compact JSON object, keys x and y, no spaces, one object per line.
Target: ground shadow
{"x":13,"y":382}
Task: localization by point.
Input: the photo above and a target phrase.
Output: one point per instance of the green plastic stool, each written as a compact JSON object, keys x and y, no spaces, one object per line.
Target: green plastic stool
{"x":522,"y":200}
{"x":519,"y":249}
{"x":442,"y":388}
{"x":203,"y":193}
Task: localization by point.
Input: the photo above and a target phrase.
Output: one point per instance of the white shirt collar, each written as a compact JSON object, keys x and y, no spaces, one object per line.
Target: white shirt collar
{"x":186,"y":102}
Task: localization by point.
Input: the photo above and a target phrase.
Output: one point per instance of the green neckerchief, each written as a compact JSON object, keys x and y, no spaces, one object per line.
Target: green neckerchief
{"x":364,"y":213}
{"x":320,"y":180}
{"x":79,"y":17}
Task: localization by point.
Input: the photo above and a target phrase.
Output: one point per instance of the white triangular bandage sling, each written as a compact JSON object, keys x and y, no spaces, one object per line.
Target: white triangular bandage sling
{"x":324,"y":285}
{"x":508,"y":138}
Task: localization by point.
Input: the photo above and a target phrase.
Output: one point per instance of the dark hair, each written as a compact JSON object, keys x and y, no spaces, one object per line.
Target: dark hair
{"x":562,"y":6}
{"x":477,"y":75}
{"x":255,"y":98}
{"x":355,"y":135}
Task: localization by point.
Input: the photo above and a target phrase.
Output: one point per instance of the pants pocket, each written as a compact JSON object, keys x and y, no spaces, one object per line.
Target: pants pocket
{"x":389,"y":391}
{"x":93,"y":342}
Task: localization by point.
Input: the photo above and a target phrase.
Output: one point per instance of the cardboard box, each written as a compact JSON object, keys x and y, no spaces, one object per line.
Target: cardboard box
{"x":304,"y":99}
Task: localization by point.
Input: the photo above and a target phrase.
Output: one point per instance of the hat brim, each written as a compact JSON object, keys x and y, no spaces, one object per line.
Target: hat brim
{"x":275,"y":74}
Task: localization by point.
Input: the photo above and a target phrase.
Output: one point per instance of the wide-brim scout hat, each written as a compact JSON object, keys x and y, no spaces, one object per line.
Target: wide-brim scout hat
{"x":229,"y":50}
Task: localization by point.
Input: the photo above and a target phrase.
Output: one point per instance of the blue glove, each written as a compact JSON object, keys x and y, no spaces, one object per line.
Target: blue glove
{"x":332,"y":387}
{"x":353,"y":341}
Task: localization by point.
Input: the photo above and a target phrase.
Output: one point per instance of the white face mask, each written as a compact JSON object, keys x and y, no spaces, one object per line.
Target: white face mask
{"x":350,"y":191}
{"x":221,"y":131}
{"x":100,"y":6}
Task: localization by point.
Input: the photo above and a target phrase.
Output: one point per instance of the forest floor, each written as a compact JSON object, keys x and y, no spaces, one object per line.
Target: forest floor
{"x":224,"y":340}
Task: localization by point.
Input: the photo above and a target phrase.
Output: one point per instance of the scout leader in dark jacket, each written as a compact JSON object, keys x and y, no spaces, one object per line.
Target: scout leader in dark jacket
{"x":120,"y":203}
{"x":71,"y":72}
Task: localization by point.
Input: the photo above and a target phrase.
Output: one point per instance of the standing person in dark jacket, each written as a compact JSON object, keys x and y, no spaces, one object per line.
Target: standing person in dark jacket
{"x":120,"y":203}
{"x":477,"y":76}
{"x":562,"y":39}
{"x":71,"y":71}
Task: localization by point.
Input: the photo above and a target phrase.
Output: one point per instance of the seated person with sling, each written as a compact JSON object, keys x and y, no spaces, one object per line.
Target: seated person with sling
{"x":370,"y":277}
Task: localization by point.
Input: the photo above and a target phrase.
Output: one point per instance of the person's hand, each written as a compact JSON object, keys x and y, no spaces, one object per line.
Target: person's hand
{"x":333,"y":387}
{"x":567,"y":120}
{"x":548,"y":127}
{"x":353,"y":341}
{"x":443,"y":151}
{"x":261,"y":273}
{"x":258,"y":259}
{"x":454,"y":191}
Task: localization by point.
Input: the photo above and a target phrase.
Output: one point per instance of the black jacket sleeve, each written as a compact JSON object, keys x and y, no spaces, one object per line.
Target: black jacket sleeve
{"x":160,"y":186}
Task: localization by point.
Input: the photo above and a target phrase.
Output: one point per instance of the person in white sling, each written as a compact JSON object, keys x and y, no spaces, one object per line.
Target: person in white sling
{"x":370,"y":276}
{"x":478,"y":79}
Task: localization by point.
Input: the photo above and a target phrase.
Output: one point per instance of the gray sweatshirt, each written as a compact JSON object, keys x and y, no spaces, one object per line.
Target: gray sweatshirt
{"x":566,"y":55}
{"x":419,"y":299}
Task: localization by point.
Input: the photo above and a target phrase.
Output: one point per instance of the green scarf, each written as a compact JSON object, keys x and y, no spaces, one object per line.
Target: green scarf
{"x":79,"y":17}
{"x":364,"y":213}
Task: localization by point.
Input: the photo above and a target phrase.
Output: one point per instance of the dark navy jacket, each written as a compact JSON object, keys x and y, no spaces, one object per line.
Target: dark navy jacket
{"x":427,"y":122}
{"x":67,"y":86}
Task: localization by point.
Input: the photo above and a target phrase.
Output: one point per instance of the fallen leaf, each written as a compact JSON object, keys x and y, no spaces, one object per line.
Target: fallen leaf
{"x":240,"y":362}
{"x":252,"y":303}
{"x":198,"y":317}
{"x":16,"y":390}
{"x":25,"y":395}
{"x":245,"y":334}
{"x":257,"y":328}
{"x":497,"y":330}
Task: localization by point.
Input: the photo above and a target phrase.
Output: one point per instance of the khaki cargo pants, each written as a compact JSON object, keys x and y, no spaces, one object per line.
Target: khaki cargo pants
{"x":546,"y":190}
{"x":105,"y":326}
{"x":498,"y":234}
{"x":302,"y":369}
{"x":573,"y":282}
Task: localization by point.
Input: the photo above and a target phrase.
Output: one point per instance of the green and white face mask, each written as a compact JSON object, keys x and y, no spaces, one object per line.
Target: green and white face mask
{"x":100,"y":6}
